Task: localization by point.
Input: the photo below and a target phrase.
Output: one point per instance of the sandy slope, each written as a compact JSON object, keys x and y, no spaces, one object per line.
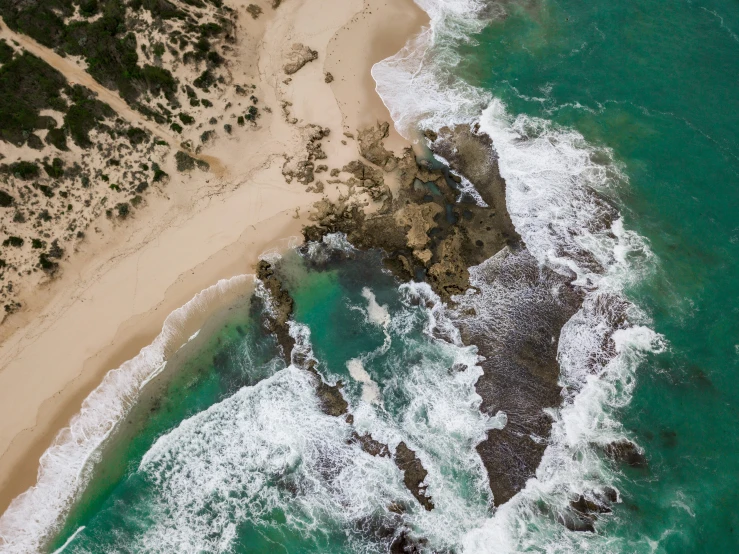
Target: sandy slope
{"x":113,"y":298}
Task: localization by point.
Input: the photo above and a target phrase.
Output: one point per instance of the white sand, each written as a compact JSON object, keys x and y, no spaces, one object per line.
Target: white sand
{"x":114,"y":296}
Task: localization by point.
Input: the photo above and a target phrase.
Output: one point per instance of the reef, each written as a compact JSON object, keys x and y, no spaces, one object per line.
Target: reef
{"x":279,"y":310}
{"x":459,"y":238}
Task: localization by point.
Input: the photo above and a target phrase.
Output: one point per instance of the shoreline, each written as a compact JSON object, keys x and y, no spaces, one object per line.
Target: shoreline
{"x":99,"y":316}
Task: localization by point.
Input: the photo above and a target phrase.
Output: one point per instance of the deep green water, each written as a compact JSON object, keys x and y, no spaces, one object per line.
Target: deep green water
{"x":656,"y":81}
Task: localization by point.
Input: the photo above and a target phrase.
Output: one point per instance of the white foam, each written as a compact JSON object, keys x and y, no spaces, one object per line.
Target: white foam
{"x":370,"y":390}
{"x":376,"y":313}
{"x":417,"y":84}
{"x":554,"y":194}
{"x":66,"y":466}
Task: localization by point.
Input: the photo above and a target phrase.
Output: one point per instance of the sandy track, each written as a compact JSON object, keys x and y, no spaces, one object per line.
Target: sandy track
{"x":77,"y":75}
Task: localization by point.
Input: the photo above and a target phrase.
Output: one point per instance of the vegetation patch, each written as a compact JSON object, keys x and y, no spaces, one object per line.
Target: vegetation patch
{"x":27,"y":86}
{"x":55,"y":170}
{"x":6,"y":200}
{"x":24,"y":170}
{"x":16,"y":242}
{"x":6,"y":52}
{"x":184,"y":161}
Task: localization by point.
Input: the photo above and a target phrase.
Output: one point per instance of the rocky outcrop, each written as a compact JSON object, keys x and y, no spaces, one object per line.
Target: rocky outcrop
{"x":280,"y":306}
{"x":303,"y":168}
{"x":584,"y":510}
{"x":297,"y":57}
{"x":370,"y":445}
{"x":515,"y":311}
{"x":429,"y":231}
{"x":414,"y":474}
{"x":625,"y":452}
{"x":372,"y":149}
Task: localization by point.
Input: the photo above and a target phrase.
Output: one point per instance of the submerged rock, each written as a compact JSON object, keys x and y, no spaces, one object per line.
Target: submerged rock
{"x":583,"y":512}
{"x":625,"y":451}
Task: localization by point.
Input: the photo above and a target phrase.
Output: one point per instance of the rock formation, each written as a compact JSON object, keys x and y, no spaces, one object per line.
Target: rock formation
{"x":297,"y":57}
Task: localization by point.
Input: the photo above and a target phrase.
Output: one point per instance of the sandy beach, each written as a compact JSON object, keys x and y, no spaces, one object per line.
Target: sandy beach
{"x":115,"y":293}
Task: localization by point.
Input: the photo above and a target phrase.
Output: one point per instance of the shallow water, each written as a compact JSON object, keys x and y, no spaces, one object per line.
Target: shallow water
{"x":229,"y":451}
{"x":237,"y":456}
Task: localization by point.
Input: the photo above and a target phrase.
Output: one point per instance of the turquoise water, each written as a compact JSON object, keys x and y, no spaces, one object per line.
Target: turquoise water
{"x":229,"y":451}
{"x":233,"y":453}
{"x":655,"y":81}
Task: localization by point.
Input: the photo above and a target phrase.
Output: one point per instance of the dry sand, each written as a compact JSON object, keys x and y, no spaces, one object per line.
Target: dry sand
{"x":114,"y":296}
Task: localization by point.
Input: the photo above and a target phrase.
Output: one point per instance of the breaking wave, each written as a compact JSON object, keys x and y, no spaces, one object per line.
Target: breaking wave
{"x":557,"y":185}
{"x":67,"y":465}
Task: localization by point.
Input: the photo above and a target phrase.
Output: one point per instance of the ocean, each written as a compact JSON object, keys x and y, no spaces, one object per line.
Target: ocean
{"x":594,"y":109}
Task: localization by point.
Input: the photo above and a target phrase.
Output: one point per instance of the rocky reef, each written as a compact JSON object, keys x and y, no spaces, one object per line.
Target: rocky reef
{"x":279,"y":310}
{"x":464,"y":245}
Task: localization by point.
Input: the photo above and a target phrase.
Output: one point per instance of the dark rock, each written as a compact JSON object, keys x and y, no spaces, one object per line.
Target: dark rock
{"x":583,"y":512}
{"x":405,"y":544}
{"x":625,"y":451}
{"x":332,"y":401}
{"x":297,"y":57}
{"x":280,"y":306}
{"x":372,"y":149}
{"x":413,"y":474}
{"x":370,"y":445}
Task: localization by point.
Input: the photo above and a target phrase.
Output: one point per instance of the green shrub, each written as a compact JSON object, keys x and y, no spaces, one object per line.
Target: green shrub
{"x":207,"y":103}
{"x":24,"y":170}
{"x":84,"y":115}
{"x":136,"y":136}
{"x":123,"y":209}
{"x":159,"y":175}
{"x":27,"y":85}
{"x":37,"y":243}
{"x":160,"y":80}
{"x":35,"y":142}
{"x":16,"y":242}
{"x":184,"y":161}
{"x":57,"y":138}
{"x":187,"y":119}
{"x":45,"y":190}
{"x":88,"y":8}
{"x":6,"y":52}
{"x":5,"y":199}
{"x":206,"y":80}
{"x":56,"y":169}
{"x":176,"y":127}
{"x":215,"y":58}
{"x":47,"y":265}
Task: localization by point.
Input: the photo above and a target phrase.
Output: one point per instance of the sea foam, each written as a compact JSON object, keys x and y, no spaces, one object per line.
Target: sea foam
{"x":556,"y":184}
{"x":67,"y":465}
